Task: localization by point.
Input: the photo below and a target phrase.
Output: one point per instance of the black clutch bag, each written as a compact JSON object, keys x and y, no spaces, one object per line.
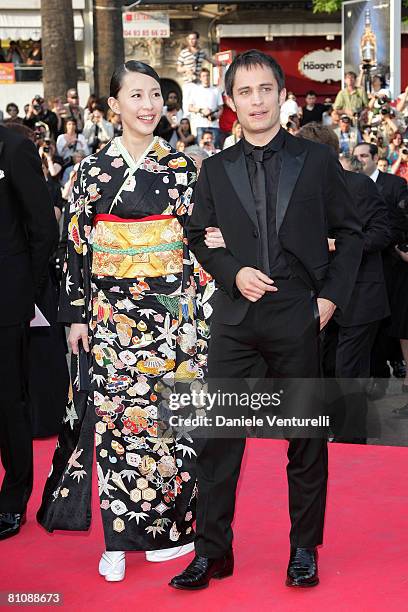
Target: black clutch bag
{"x":84,"y":380}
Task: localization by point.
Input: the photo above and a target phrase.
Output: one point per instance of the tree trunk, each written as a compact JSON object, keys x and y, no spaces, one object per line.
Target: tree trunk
{"x":108,"y":42}
{"x":58,"y":47}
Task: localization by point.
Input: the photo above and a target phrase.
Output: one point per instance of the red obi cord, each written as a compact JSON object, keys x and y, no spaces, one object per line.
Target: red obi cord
{"x":114,"y":218}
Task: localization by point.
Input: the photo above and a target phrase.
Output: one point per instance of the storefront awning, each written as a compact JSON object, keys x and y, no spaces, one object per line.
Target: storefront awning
{"x":26,"y":25}
{"x":267,"y":30}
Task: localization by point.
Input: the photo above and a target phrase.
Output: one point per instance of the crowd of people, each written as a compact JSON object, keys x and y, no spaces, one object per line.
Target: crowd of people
{"x":358,"y":116}
{"x":329,"y":245}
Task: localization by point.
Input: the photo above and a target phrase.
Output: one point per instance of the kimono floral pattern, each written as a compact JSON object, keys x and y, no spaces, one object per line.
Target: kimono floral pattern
{"x":145,"y":334}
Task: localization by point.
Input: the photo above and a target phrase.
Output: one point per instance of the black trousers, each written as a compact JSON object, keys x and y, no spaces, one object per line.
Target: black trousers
{"x":347,"y":356}
{"x":385,"y":348}
{"x":281,"y":329}
{"x":15,"y":426}
{"x":347,"y":350}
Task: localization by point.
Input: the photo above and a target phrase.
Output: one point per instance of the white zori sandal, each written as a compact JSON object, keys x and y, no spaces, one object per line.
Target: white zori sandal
{"x":112,"y":565}
{"x":166,"y":554}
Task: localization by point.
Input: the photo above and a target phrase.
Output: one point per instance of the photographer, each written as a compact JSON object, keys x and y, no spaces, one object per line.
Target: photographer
{"x":400,"y":167}
{"x":46,"y":150}
{"x":97,"y":130}
{"x":70,"y":141}
{"x":387,"y":125}
{"x":205,"y":105}
{"x":402,"y":103}
{"x":379,"y":94}
{"x":207,"y":143}
{"x":351,"y":99}
{"x":38,"y":111}
{"x":348,"y":135}
{"x":57,"y":107}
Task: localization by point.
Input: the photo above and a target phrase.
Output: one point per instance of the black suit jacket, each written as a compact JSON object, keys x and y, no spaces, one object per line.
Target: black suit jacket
{"x":312,"y":203}
{"x":369,"y":300}
{"x":28,"y":228}
{"x":394,"y":189}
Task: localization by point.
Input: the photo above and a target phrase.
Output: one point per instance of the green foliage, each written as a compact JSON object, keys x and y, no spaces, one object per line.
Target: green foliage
{"x":326,"y":6}
{"x":330,"y":6}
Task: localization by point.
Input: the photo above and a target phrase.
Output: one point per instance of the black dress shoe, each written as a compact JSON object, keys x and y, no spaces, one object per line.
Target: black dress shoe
{"x":10,"y":523}
{"x":302,"y":569}
{"x":398,"y":369}
{"x":200,"y":571}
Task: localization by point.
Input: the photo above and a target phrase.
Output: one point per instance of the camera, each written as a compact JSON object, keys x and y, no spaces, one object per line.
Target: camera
{"x":37,"y":107}
{"x":404,"y":151}
{"x":46,"y":149}
{"x":385,"y":110}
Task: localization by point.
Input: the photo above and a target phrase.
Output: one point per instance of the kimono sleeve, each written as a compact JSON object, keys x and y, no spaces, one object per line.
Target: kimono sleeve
{"x":185,"y":183}
{"x":75,"y":285}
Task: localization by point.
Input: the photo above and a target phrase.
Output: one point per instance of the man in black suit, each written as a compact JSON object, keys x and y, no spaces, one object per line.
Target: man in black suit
{"x":393,"y":189}
{"x":28,"y":234}
{"x":275,"y":199}
{"x":349,"y":336}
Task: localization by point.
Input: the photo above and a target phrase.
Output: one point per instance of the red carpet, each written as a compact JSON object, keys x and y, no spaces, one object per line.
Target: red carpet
{"x":363,"y":565}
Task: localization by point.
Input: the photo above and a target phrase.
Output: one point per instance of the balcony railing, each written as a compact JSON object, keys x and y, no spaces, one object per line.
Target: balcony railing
{"x":34,"y":73}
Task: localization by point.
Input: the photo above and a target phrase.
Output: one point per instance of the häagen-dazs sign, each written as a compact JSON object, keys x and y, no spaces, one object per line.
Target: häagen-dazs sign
{"x":321,"y":65}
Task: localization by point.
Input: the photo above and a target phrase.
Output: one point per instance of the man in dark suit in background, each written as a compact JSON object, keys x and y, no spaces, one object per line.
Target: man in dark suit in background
{"x":275,"y":199}
{"x":28,"y":234}
{"x":350,"y":334}
{"x":393,"y":189}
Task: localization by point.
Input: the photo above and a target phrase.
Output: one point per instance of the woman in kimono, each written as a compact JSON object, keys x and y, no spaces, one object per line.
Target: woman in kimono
{"x":128,"y":292}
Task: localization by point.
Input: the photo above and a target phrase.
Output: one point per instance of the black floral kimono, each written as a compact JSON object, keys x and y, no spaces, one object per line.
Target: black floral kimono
{"x":129,"y":275}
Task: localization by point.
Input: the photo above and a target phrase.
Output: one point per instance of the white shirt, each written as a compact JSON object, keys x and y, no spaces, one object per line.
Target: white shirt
{"x":289,"y":107}
{"x":374,"y":176}
{"x":205,"y":97}
{"x":65,"y":152}
{"x":404,"y":110}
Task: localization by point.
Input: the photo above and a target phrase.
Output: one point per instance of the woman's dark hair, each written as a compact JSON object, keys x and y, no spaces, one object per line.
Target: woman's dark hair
{"x":188,"y":121}
{"x":99,"y":107}
{"x":381,"y":79}
{"x":91,"y":100}
{"x":71,"y":119}
{"x":249,"y":59}
{"x":130,"y":66}
{"x":11,"y":105}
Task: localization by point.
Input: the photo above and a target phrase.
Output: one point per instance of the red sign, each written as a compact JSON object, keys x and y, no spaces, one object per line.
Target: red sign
{"x":224,"y":58}
{"x":7,"y":74}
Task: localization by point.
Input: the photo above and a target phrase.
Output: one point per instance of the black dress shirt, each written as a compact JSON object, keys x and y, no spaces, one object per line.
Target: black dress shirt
{"x":272,"y":161}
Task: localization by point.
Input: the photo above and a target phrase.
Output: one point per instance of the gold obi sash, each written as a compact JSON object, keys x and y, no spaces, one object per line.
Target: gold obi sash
{"x":148,"y":247}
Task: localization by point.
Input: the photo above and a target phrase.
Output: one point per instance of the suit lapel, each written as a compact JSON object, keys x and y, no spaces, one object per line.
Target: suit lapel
{"x":292,"y":164}
{"x":1,"y":146}
{"x":235,"y":167}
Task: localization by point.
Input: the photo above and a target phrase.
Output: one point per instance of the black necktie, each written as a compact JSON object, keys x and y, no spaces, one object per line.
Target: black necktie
{"x":259,"y":191}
